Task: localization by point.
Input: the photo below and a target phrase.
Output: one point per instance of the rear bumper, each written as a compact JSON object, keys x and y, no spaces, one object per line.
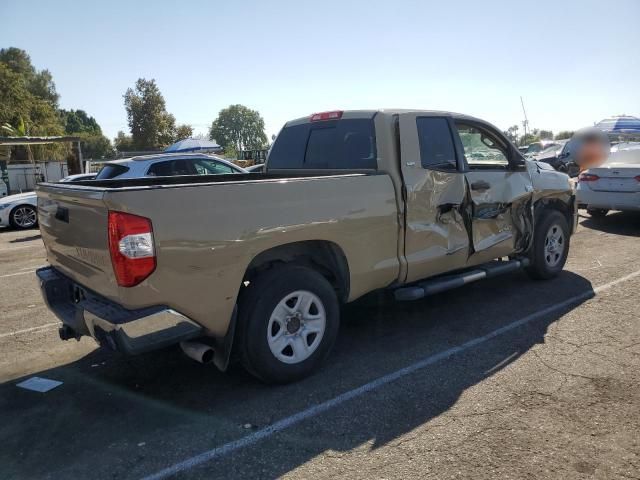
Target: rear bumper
{"x":85,"y":313}
{"x":608,"y":200}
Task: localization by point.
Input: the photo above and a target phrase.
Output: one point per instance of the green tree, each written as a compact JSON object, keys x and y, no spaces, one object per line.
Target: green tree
{"x":123,"y":142}
{"x":152,"y":127}
{"x":27,"y":105}
{"x":183,"y":131}
{"x":95,"y":146}
{"x":564,"y":134}
{"x":38,"y":83}
{"x":512,"y":133}
{"x":77,"y":121}
{"x":238,"y":127}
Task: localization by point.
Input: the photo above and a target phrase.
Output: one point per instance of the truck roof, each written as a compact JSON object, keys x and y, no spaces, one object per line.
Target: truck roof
{"x":346,"y":114}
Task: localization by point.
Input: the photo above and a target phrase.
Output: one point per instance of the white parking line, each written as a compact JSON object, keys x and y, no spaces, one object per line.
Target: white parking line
{"x":19,"y":247}
{"x":29,"y":330}
{"x":18,"y":273}
{"x":310,"y":412}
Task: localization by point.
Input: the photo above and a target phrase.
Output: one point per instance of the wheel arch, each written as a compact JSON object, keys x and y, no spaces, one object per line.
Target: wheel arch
{"x":554,"y":203}
{"x":324,"y":256}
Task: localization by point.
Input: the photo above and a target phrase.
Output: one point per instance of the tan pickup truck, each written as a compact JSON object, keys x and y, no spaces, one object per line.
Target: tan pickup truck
{"x":254,"y":267}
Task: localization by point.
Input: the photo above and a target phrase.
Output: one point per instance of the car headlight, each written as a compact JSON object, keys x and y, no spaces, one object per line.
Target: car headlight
{"x":4,"y":205}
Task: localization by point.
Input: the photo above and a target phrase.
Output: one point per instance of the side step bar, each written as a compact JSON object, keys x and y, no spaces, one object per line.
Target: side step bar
{"x":447,"y":282}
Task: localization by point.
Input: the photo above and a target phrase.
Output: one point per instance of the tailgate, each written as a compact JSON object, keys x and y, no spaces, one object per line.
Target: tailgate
{"x":73,"y":221}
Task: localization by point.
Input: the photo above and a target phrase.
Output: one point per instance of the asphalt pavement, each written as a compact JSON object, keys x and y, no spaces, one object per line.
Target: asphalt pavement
{"x":505,"y":378}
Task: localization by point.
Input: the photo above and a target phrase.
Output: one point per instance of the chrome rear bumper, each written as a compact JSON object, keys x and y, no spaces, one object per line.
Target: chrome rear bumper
{"x":85,"y":313}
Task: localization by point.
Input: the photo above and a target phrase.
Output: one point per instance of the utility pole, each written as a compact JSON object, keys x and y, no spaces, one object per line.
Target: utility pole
{"x":525,"y":124}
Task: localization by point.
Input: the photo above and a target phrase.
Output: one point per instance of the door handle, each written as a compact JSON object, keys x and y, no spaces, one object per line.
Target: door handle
{"x":480,"y":185}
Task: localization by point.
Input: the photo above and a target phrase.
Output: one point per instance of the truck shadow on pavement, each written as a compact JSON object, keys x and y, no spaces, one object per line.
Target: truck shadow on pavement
{"x":145,"y":413}
{"x":617,"y":223}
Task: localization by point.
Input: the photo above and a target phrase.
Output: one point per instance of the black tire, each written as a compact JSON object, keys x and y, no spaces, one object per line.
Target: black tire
{"x":597,"y":212}
{"x":547,"y":261}
{"x":257,"y":305}
{"x":23,"y":217}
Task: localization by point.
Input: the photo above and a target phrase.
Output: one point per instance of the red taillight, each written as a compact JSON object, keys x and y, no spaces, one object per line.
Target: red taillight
{"x":334,"y":115}
{"x":637,"y":177}
{"x":588,"y":177}
{"x":131,"y":246}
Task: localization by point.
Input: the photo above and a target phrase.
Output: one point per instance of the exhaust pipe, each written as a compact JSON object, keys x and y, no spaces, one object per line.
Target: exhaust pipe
{"x":198,"y":351}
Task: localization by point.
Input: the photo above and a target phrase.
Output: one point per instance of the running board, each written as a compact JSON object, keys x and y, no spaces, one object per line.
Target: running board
{"x":447,"y":282}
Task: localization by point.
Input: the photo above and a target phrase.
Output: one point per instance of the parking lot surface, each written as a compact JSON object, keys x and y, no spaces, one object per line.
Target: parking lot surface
{"x":506,"y":378}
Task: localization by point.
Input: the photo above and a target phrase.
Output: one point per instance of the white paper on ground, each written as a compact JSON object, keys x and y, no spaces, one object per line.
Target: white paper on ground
{"x":39,"y":384}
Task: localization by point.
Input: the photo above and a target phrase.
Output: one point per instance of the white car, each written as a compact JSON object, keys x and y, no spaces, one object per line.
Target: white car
{"x":613,"y":186}
{"x":167,"y":165}
{"x":19,"y":211}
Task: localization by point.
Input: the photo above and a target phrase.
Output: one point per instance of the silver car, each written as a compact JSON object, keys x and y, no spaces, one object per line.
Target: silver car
{"x":613,"y":186}
{"x":167,"y":165}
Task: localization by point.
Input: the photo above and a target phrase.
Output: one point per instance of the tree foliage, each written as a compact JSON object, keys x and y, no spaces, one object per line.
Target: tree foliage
{"x":564,"y":134}
{"x":152,"y":127}
{"x":123,"y":142}
{"x":183,"y":131}
{"x":28,"y":103}
{"x":238,"y":127}
{"x":77,"y":121}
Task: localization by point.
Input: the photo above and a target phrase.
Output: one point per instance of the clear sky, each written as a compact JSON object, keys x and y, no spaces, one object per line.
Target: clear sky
{"x":574,"y":62}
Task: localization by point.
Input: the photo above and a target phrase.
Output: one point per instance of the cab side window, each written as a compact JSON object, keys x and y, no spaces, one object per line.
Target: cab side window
{"x":482,"y":149}
{"x":171,"y":168}
{"x":436,"y":143}
{"x":211,"y":167}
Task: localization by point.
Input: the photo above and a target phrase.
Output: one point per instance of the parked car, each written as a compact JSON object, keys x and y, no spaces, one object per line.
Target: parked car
{"x":19,"y":211}
{"x":255,"y":269}
{"x":613,"y":186}
{"x":559,"y":157}
{"x":537,"y":147}
{"x":166,"y":165}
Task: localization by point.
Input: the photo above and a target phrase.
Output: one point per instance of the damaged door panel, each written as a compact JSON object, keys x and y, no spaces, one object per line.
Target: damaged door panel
{"x":499,"y":196}
{"x":436,"y":237}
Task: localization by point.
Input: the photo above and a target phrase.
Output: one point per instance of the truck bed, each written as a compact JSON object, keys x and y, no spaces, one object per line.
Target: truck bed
{"x":208,"y":229}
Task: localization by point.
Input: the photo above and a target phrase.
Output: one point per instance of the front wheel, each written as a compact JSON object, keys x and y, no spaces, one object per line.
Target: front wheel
{"x":23,"y":217}
{"x":289,"y":318}
{"x":550,"y":245}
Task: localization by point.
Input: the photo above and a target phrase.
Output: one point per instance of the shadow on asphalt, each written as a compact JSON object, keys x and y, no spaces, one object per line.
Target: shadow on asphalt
{"x":26,"y":239}
{"x":617,"y":223}
{"x":180,"y":408}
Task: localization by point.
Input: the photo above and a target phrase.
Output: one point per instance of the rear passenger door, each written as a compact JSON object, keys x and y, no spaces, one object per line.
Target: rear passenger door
{"x":436,"y":238}
{"x":499,"y":188}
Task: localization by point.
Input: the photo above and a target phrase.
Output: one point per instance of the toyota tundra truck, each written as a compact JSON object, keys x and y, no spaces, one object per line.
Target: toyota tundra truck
{"x":254,"y":267}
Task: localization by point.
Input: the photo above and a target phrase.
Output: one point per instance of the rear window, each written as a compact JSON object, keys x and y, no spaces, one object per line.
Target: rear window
{"x":336,"y":145}
{"x":436,"y":143}
{"x":111,"y":170}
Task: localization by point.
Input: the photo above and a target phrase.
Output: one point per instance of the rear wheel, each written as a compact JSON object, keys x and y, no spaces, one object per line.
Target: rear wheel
{"x":550,"y":245}
{"x":289,"y":319}
{"x":597,"y":212}
{"x":24,"y":216}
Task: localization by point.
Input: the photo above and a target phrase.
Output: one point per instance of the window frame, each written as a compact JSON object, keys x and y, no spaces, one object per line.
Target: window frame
{"x":159,"y":161}
{"x":459,"y":166}
{"x":310,"y":126}
{"x":513,"y":162}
